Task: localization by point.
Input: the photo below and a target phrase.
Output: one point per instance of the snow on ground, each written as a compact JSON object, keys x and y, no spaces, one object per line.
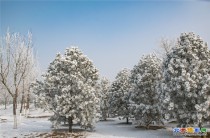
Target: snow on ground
{"x":113,"y":128}
{"x":26,"y":126}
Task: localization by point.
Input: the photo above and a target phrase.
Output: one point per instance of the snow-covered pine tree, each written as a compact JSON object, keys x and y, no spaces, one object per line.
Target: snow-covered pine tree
{"x":104,"y":98}
{"x":38,"y":89}
{"x":46,"y":90}
{"x":186,"y":81}
{"x":144,"y":93}
{"x":70,"y":89}
{"x":119,"y":95}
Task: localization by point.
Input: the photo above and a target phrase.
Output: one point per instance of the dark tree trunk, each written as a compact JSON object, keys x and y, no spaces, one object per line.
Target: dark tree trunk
{"x":64,"y":121}
{"x":28,"y":101}
{"x":14,"y":105}
{"x":127,"y":120}
{"x":22,"y":99}
{"x":70,"y":124}
{"x":14,"y":111}
{"x":22,"y":102}
{"x":5,"y":103}
{"x":200,"y":125}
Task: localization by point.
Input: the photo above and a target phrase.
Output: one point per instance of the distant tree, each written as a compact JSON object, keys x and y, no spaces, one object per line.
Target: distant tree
{"x":33,"y":72}
{"x":68,"y":89}
{"x":167,"y":45}
{"x":145,"y":95}
{"x":186,"y":81}
{"x":104,"y":98}
{"x":4,"y":97}
{"x":119,"y":95}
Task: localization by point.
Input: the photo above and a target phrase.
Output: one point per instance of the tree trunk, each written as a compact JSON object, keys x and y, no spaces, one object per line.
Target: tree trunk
{"x":14,"y":111}
{"x":200,"y":124}
{"x":70,"y":124}
{"x":28,"y":101}
{"x":5,"y":103}
{"x":64,"y":120}
{"x":22,"y":102}
{"x":127,"y":120}
{"x":22,"y":105}
{"x":27,"y":104}
{"x":24,"y":109}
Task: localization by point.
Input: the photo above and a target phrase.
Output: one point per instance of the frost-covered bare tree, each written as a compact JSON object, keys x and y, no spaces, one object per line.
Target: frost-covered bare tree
{"x":31,"y":75}
{"x":4,"y":97}
{"x":165,"y":47}
{"x":16,"y":63}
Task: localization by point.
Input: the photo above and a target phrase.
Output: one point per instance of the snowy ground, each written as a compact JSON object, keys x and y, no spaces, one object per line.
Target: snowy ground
{"x":26,"y":126}
{"x":113,"y":128}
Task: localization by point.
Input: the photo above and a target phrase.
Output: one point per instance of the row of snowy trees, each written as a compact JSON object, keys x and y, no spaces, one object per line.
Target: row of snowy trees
{"x":175,"y":85}
{"x":18,"y":68}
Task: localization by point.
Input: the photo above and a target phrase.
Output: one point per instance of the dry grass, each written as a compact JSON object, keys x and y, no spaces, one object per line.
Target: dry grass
{"x":56,"y":135}
{"x":59,"y":133}
{"x":44,"y":116}
{"x":151,"y":127}
{"x":3,"y":120}
{"x":208,"y":136}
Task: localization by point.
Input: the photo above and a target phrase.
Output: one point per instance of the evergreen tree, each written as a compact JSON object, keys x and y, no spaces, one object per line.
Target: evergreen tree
{"x":104,"y":98}
{"x":119,"y":95}
{"x":68,"y":89}
{"x":186,"y":81}
{"x":144,"y":94}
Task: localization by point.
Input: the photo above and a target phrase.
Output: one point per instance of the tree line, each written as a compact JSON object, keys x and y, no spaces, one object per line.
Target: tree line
{"x":173,"y":85}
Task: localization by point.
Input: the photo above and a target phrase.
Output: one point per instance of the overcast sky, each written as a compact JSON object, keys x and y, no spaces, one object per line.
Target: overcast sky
{"x":114,"y":35}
